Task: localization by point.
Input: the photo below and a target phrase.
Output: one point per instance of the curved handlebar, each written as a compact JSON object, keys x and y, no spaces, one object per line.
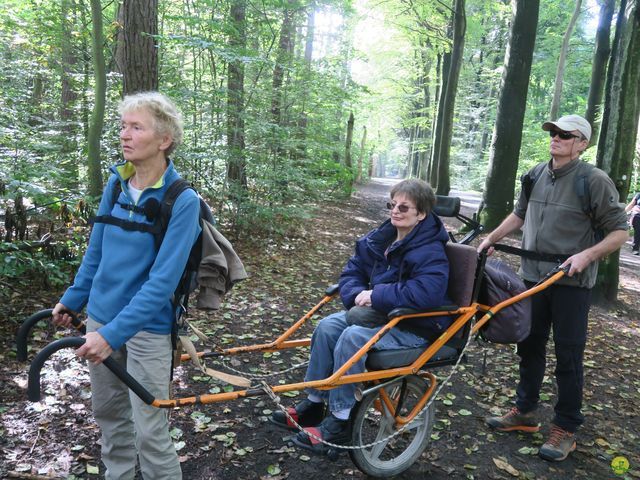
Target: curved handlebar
{"x":33,"y":388}
{"x":25,"y":330}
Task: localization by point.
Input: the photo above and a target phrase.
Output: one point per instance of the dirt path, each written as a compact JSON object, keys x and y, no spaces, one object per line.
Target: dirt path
{"x":233,"y":440}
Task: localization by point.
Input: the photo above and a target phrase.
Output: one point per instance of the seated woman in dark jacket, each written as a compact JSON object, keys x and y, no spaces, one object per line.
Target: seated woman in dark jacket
{"x":402,"y":263}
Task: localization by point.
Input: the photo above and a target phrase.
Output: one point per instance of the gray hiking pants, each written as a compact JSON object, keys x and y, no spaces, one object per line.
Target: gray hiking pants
{"x":128,"y":425}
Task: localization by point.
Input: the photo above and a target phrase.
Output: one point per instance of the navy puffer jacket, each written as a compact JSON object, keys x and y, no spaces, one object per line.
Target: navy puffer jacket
{"x":413,"y":274}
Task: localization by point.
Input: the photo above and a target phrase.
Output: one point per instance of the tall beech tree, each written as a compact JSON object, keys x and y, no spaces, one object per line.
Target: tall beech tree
{"x":459,"y":21}
{"x":139,"y":49}
{"x":562,"y":62}
{"x":599,"y":65}
{"x":68,"y":94}
{"x":97,"y":116}
{"x":507,"y":134}
{"x":236,"y":167}
{"x":618,"y":136}
{"x":347,"y":147}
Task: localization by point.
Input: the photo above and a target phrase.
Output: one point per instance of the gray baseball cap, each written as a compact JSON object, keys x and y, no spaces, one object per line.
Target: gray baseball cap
{"x":568,"y":123}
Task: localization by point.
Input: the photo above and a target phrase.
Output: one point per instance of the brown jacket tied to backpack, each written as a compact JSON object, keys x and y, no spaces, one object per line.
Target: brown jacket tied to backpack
{"x":220,"y":268}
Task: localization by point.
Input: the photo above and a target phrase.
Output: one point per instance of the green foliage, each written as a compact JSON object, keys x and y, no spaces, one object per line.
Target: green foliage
{"x":377,"y":60}
{"x":47,"y":267}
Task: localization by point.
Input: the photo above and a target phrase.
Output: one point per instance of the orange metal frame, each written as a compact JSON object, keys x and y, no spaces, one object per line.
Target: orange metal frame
{"x":465,"y":314}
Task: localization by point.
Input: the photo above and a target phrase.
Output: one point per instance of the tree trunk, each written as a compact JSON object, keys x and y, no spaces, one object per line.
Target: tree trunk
{"x":363,"y":144}
{"x":68,"y":95}
{"x":140,"y":52}
{"x":236,"y":168}
{"x":444,"y":63}
{"x":97,"y":116}
{"x":459,"y":28}
{"x":507,"y":136}
{"x":347,"y":151}
{"x":308,"y":57}
{"x":562,"y":61}
{"x":283,"y":60}
{"x":599,"y":67}
{"x":617,"y":143}
{"x":420,"y":131}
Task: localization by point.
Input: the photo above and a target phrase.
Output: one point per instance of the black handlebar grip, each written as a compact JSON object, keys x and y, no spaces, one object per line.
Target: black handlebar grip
{"x":33,"y":388}
{"x":25,"y":330}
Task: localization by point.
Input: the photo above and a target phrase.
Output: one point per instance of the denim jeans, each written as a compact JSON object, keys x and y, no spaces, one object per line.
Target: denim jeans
{"x":334,"y":342}
{"x":566,"y":310}
{"x":635,"y":223}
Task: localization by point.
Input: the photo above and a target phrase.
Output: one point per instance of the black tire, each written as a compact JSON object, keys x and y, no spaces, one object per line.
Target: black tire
{"x":369,"y":424}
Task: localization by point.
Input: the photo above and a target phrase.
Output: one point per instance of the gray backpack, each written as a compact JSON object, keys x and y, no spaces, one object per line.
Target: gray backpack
{"x":512,"y":324}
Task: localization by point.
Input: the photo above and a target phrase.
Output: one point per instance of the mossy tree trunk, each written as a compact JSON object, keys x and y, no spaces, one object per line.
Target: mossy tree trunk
{"x":507,"y":134}
{"x":599,"y":66}
{"x":97,"y":116}
{"x":617,"y":143}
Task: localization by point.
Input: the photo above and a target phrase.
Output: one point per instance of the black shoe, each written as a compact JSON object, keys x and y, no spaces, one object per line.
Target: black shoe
{"x":306,"y":413}
{"x":331,"y":430}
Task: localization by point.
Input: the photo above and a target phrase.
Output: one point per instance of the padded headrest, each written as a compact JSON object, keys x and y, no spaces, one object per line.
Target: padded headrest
{"x":447,"y":206}
{"x":463,"y":260}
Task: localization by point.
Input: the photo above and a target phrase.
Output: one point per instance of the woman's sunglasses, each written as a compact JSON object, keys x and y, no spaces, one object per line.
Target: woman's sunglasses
{"x":402,"y":208}
{"x":562,"y":135}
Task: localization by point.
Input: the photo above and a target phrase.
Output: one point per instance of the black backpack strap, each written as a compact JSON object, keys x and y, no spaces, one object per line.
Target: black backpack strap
{"x":115,"y":192}
{"x":127,"y":224}
{"x":529,"y":179}
{"x":116,"y":189}
{"x":583,"y":191}
{"x":531,"y":255}
{"x":166,"y":206}
{"x":582,"y":187}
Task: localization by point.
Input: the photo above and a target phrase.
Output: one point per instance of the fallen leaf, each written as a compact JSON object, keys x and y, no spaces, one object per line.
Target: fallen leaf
{"x":502,"y":465}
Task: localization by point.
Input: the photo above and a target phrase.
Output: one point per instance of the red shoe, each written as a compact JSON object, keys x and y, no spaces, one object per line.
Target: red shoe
{"x":332,"y":430}
{"x":306,"y":413}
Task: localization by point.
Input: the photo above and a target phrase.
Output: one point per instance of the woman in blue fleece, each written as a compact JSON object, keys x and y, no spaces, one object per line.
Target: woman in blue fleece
{"x":402,"y":263}
{"x":126,"y":282}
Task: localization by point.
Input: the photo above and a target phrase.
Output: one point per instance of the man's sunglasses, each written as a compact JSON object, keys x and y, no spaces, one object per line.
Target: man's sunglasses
{"x":562,"y":135}
{"x":401,"y":208}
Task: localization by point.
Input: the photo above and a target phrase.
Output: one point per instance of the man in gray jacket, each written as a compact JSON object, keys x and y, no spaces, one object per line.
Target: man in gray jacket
{"x":553,"y":219}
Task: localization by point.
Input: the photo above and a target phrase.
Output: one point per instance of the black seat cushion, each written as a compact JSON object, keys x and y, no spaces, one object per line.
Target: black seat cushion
{"x":385,"y":359}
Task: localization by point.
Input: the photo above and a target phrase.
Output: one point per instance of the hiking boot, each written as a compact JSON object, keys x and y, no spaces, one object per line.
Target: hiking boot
{"x":559,"y":445}
{"x":306,"y":413}
{"x":514,"y":420}
{"x":331,"y":430}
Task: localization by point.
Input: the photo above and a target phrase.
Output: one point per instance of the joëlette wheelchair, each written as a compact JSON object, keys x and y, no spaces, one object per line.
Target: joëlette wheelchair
{"x":391,"y":423}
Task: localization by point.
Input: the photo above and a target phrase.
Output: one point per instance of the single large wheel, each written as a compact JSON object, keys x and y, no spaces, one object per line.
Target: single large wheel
{"x":372,"y":421}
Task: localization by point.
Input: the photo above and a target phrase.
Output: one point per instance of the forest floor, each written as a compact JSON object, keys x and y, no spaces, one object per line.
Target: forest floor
{"x":57,"y":437}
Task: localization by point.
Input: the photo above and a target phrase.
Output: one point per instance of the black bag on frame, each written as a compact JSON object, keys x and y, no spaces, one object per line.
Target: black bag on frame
{"x":512,"y":324}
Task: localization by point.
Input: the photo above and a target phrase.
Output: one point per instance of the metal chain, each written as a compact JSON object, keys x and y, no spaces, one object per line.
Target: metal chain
{"x":264,"y":375}
{"x":278,"y":403}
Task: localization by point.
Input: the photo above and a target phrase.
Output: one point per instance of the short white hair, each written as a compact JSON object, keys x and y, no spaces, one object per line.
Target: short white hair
{"x":167,"y":119}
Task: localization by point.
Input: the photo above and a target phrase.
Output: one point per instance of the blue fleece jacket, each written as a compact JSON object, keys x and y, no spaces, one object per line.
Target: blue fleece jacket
{"x":125,"y":282}
{"x":414,"y":272}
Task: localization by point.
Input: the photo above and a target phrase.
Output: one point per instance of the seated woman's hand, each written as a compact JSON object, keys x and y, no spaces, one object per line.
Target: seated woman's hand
{"x":363,"y":299}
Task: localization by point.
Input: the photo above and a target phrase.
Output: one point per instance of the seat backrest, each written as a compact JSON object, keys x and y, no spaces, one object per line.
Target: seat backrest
{"x":463,"y":261}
